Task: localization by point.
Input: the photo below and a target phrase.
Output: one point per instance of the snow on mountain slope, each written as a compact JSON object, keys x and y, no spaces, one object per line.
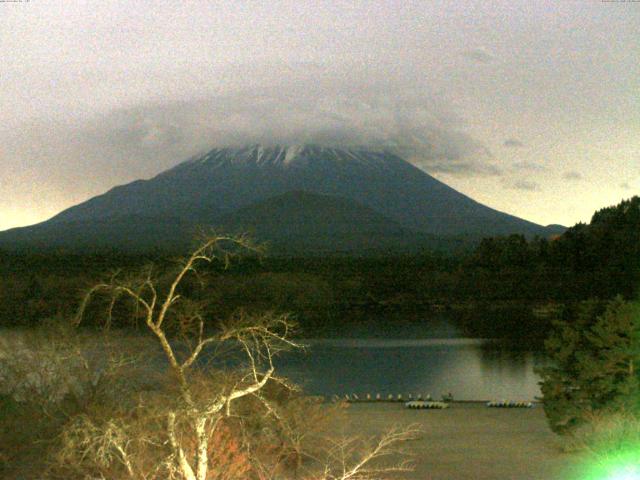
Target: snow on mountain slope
{"x":283,"y":156}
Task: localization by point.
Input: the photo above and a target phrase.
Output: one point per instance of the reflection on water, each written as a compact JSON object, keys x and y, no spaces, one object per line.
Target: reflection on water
{"x":471,"y":369}
{"x":390,"y":343}
{"x":423,"y":363}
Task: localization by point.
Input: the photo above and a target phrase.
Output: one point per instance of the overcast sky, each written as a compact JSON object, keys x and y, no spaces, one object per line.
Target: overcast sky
{"x":530,"y":107}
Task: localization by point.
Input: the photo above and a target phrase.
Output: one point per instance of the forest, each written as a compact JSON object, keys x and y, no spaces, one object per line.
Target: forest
{"x":505,"y":287}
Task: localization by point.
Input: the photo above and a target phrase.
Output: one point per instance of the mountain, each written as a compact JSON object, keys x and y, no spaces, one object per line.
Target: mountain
{"x":251,"y":187}
{"x":297,"y":221}
{"x":135,"y":233}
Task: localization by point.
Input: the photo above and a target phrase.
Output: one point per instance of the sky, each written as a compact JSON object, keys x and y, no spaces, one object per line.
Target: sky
{"x":530,"y":107}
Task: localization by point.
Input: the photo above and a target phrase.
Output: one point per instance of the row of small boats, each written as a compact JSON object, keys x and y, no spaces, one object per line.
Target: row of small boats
{"x":389,"y":398}
{"x":419,"y":402}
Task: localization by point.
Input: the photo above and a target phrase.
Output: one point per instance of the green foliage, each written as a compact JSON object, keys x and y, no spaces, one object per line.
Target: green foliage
{"x":594,"y":355}
{"x":601,"y":259}
{"x":607,"y":251}
{"x":609,"y":443}
{"x":606,"y":434}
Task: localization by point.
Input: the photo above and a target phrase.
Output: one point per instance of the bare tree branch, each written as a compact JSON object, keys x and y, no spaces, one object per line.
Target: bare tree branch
{"x":257,"y":337}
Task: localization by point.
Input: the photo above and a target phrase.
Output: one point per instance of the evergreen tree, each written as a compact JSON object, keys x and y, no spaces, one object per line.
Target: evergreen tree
{"x":611,"y":368}
{"x":594,"y":358}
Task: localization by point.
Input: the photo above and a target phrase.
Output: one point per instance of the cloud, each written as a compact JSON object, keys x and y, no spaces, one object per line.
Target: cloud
{"x":465,"y":169}
{"x":82,"y":156}
{"x":513,"y":143}
{"x":528,"y":166}
{"x":572,"y":175}
{"x":406,"y":121}
{"x":479,"y":54}
{"x":525,"y":185}
{"x":625,"y":186}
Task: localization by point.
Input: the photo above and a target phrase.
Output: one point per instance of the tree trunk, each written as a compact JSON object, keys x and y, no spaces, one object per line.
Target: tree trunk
{"x":183,"y":464}
{"x":202,"y":455}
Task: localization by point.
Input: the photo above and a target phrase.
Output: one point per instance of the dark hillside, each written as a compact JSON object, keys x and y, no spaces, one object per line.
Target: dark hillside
{"x":225,"y":183}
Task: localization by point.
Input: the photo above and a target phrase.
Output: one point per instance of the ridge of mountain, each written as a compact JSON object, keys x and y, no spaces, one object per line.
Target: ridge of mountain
{"x":299,"y":220}
{"x":207,"y":189}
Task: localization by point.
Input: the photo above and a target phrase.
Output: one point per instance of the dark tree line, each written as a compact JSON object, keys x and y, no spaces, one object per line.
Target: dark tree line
{"x":506,"y":287}
{"x":600,"y":259}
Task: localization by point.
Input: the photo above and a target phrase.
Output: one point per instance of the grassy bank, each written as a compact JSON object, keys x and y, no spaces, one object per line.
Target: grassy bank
{"x":472,"y":442}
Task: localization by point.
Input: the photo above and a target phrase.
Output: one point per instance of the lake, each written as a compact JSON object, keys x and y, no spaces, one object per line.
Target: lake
{"x":417,"y":359}
{"x":471,"y":369}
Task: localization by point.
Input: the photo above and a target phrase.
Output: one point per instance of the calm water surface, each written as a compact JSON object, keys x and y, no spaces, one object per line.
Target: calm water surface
{"x":471,"y":369}
{"x":431,"y":359}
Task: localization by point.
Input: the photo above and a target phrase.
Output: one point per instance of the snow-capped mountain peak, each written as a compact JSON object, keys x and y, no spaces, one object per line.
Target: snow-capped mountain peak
{"x":286,"y":155}
{"x":214,"y":186}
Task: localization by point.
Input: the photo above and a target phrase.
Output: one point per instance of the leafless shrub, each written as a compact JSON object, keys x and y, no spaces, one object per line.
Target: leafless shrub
{"x":102,"y":446}
{"x":357,"y":459}
{"x":199,"y":418}
{"x":605,"y":433}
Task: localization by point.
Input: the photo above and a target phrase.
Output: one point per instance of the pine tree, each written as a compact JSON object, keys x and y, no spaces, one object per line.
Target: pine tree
{"x":611,"y":369}
{"x":594,"y":356}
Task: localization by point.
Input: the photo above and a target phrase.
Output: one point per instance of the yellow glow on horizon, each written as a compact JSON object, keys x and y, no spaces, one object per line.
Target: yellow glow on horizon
{"x":22,"y":217}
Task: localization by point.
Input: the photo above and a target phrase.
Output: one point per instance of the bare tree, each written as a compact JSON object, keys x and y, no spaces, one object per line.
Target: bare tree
{"x":260,"y":338}
{"x":203,"y":398}
{"x":352,"y":459}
